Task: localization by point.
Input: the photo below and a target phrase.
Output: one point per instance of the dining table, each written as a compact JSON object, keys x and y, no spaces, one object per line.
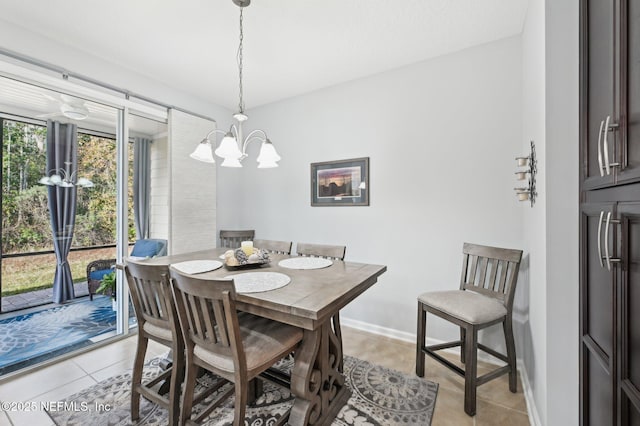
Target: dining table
{"x":311,"y":300}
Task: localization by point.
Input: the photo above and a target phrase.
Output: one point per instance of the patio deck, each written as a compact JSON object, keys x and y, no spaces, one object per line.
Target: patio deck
{"x":37,"y":298}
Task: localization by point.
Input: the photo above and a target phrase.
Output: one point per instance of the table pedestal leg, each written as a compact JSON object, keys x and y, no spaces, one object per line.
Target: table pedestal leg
{"x":316,"y":378}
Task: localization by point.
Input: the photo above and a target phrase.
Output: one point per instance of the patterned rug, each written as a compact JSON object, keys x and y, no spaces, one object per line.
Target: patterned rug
{"x":380,"y":396}
{"x":34,"y":337}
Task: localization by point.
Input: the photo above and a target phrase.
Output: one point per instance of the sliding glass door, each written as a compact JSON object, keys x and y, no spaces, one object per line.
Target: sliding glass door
{"x":94,"y":175}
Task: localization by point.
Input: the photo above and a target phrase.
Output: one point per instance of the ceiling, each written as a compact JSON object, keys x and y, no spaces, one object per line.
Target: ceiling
{"x":291,"y":47}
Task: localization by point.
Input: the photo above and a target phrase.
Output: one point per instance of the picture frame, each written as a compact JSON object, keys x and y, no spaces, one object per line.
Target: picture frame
{"x":340,"y":183}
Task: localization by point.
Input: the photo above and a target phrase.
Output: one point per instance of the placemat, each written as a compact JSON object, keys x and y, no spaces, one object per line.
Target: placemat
{"x":305,"y":263}
{"x":197,"y":266}
{"x":254,"y":282}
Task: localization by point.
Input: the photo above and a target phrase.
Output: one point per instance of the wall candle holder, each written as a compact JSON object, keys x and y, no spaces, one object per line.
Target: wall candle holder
{"x":528,"y":192}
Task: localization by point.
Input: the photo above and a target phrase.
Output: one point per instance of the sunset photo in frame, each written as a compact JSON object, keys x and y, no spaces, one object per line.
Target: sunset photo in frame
{"x":340,"y":183}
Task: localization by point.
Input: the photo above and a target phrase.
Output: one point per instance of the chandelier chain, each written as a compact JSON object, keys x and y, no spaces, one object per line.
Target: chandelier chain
{"x":241,"y":101}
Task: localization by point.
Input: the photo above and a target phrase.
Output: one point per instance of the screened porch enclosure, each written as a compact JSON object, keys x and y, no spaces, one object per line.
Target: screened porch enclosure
{"x":28,"y":257}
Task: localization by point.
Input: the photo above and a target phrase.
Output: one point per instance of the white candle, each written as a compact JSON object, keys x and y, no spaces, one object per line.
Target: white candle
{"x":247,"y":247}
{"x":521,"y":175}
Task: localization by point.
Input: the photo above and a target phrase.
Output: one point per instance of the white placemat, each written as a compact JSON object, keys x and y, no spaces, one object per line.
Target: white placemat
{"x":197,"y":266}
{"x":254,"y":282}
{"x":305,"y":263}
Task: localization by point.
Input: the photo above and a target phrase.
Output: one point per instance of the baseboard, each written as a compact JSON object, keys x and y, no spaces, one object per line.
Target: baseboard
{"x":532,"y":410}
{"x":379,"y":330}
{"x":534,"y":418}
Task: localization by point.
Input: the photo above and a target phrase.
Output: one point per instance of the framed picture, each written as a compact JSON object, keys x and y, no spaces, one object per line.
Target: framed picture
{"x":340,"y":183}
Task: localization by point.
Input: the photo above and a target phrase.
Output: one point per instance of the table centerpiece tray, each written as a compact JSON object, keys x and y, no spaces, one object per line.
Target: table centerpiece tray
{"x":248,"y":265}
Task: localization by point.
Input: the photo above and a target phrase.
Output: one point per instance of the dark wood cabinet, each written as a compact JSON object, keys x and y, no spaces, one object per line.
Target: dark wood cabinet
{"x":609,"y":93}
{"x":610,"y":307}
{"x":629,"y":92}
{"x":597,"y":86}
{"x":610,"y":212}
{"x":629,"y":317}
{"x":598,"y":319}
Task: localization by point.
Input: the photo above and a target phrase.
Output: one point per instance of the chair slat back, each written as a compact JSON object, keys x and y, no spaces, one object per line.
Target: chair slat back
{"x":151,"y":294}
{"x":232,"y":238}
{"x":491,"y":271}
{"x":273,"y":246}
{"x":208,"y":317}
{"x":321,"y":250}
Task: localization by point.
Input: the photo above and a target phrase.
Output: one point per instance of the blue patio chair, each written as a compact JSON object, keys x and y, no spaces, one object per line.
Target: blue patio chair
{"x":150,"y":247}
{"x":142,"y":249}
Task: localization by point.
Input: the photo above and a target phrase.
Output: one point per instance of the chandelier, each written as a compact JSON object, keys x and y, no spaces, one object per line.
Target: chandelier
{"x":65,"y":178}
{"x":233,"y":147}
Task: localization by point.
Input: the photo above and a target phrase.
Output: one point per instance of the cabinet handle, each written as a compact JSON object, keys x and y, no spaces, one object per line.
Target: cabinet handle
{"x":600,"y":236}
{"x":608,"y":127}
{"x":600,"y":153}
{"x":608,"y":258}
{"x":606,"y":239}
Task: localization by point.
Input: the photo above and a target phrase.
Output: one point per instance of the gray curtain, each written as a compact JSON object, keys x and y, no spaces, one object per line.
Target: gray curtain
{"x":62,"y":153}
{"x":141,"y":186}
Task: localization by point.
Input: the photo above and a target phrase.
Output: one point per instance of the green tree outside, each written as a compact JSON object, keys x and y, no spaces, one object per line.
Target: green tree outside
{"x":25,"y":213}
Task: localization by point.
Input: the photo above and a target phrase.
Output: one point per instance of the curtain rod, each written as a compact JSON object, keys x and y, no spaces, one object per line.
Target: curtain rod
{"x":65,"y":74}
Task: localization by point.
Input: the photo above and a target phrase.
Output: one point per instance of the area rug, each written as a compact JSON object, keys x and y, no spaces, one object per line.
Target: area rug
{"x":380,"y":396}
{"x":34,"y":337}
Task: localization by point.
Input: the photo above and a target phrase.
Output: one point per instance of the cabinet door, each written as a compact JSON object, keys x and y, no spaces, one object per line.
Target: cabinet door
{"x":597,"y":89}
{"x":597,"y":318}
{"x":629,"y":155}
{"x":629,"y":330}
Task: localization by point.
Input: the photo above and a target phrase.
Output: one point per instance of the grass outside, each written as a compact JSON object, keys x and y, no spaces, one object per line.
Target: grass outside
{"x":29,"y":273}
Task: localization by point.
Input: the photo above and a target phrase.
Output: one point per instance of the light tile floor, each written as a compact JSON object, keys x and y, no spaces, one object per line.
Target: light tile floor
{"x":496,"y":405}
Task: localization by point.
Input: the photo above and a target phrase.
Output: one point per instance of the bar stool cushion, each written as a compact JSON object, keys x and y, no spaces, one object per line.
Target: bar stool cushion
{"x":468,"y":306}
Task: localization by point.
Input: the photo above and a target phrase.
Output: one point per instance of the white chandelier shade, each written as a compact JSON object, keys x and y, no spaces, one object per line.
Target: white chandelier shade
{"x":203,"y":152}
{"x":228,"y":148}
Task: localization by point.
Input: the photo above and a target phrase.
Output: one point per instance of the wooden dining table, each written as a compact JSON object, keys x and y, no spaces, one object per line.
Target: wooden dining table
{"x":310,"y":300}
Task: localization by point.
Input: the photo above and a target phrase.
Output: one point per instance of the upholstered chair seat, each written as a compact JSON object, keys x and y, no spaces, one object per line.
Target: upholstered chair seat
{"x":467,"y":306}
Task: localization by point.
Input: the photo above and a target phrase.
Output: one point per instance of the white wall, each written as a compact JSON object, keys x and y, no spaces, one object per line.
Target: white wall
{"x":533,"y":334}
{"x":441,"y":136}
{"x":561,"y":64}
{"x":550,"y":117}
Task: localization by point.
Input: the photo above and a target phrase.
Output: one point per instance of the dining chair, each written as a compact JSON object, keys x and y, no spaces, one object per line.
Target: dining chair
{"x":321,"y":250}
{"x":157,"y":320}
{"x":236,"y":346}
{"x":233,"y":238}
{"x":274,"y":246}
{"x":485,"y":298}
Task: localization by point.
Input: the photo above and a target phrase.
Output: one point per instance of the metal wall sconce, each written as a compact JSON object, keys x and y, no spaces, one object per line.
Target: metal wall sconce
{"x":530,"y":164}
